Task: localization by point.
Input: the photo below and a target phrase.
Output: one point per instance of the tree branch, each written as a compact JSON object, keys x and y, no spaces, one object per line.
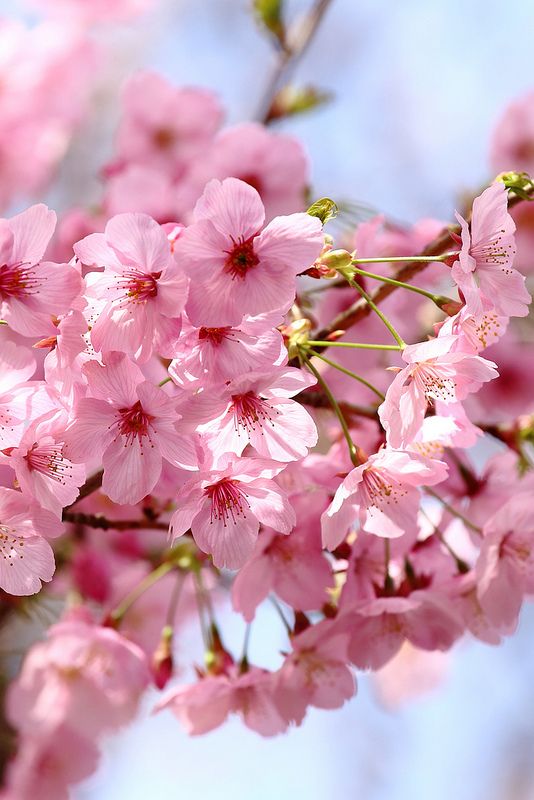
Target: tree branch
{"x":298,"y":39}
{"x":105,"y":524}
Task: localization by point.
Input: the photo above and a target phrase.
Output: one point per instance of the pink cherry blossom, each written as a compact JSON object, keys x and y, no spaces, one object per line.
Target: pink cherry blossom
{"x":27,"y":558}
{"x":273,"y":163}
{"x":236,"y":266}
{"x":165,"y":126}
{"x":512,"y":145}
{"x":260,"y":413}
{"x":293,"y":567}
{"x":435,"y":371}
{"x":225,"y":505}
{"x":83,"y":675}
{"x":379,"y":627}
{"x":484,"y":269}
{"x":205,"y":705}
{"x":217,"y":355}
{"x":315,"y":672}
{"x":32,"y":290}
{"x":47,"y":765}
{"x":43,"y":472}
{"x":141,"y":287}
{"x":505,"y":568}
{"x":132,"y":424}
{"x":382,"y":493}
{"x":17,"y":364}
{"x":95,"y":11}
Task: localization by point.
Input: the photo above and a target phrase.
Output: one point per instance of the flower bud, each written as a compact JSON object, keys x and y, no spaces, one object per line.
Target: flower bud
{"x":162,"y":660}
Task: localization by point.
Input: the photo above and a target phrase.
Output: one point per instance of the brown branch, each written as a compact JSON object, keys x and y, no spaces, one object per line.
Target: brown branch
{"x":297,"y":41}
{"x":97,"y":521}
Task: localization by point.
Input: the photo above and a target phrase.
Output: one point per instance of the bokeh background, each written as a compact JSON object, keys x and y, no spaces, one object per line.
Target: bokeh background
{"x":418,"y":87}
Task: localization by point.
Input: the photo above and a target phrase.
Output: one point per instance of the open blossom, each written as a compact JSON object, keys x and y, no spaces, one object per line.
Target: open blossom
{"x":205,"y":705}
{"x":88,"y":677}
{"x":17,"y":365}
{"x":225,"y":505}
{"x":26,"y":557}
{"x":484,"y":270}
{"x":294,"y":567}
{"x":435,"y":371}
{"x":382,"y":494}
{"x":236,"y":267}
{"x":42,"y":469}
{"x":31,"y":290}
{"x":217,"y":355}
{"x":48,"y":764}
{"x":273,"y":163}
{"x":315,"y":672}
{"x":165,"y":126}
{"x":141,"y":290}
{"x":379,"y":627}
{"x":260,"y":412}
{"x":132,"y":425}
{"x":505,"y":568}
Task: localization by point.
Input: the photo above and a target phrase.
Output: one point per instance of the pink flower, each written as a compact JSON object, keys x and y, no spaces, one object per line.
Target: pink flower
{"x":225,"y":505}
{"x":484,"y":269}
{"x":512,"y":146}
{"x":141,"y":288}
{"x":205,"y":705}
{"x":27,"y":558}
{"x":315,"y":672}
{"x":217,"y":355}
{"x":505,"y":568}
{"x":32,"y":290}
{"x":17,"y":365}
{"x":165,"y":126}
{"x":236,"y":268}
{"x":260,"y":413}
{"x":47,"y":765}
{"x":88,"y":677}
{"x":274,"y":164}
{"x":380,"y":626}
{"x":382,"y":493}
{"x":43,"y":472}
{"x":435,"y":371}
{"x":292,"y":566}
{"x":96,"y":10}
{"x":133,"y":424}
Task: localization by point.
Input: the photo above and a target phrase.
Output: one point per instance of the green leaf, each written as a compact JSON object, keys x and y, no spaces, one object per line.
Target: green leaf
{"x":269,"y":13}
{"x":324,"y":208}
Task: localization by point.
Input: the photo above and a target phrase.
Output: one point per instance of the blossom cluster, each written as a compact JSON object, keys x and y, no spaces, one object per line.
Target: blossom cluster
{"x":198,"y":393}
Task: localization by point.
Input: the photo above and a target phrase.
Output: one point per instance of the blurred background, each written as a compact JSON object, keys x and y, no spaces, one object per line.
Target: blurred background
{"x":417,"y":88}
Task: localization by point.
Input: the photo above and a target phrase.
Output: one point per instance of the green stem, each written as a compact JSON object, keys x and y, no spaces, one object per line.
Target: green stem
{"x":149,"y":580}
{"x":453,"y":511}
{"x":175,"y":597}
{"x":394,"y":259}
{"x":165,"y":380}
{"x":371,"y":304}
{"x":356,"y":345}
{"x":402,"y":285}
{"x":356,"y":377}
{"x":353,"y":452}
{"x":287,"y":626}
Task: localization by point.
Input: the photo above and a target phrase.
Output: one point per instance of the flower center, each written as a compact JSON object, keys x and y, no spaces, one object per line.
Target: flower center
{"x":493,"y":250}
{"x":228,"y":501}
{"x":48,"y":459}
{"x":164,"y":138}
{"x":214,"y":336}
{"x":134,"y":423}
{"x":379,"y":489}
{"x":17,"y":281}
{"x":139,"y":286}
{"x":433,"y":383}
{"x":250,"y":411}
{"x":241,"y":258}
